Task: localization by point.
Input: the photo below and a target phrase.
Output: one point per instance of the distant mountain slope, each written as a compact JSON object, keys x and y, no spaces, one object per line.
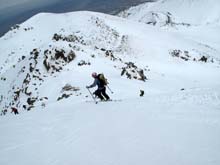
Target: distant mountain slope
{"x":180,"y":12}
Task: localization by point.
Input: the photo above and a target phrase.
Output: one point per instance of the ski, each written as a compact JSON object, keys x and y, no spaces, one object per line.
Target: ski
{"x":104,"y":101}
{"x":114,"y":100}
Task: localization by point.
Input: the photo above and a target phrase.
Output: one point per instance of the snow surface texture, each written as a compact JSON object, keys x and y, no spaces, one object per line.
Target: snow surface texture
{"x":46,"y":62}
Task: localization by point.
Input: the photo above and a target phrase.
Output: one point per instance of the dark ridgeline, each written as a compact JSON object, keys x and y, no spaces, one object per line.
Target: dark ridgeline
{"x":106,"y":6}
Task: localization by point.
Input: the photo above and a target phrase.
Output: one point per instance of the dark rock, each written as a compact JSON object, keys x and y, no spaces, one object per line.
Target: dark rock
{"x":46,"y":64}
{"x":71,"y":56}
{"x":141,"y":93}
{"x":203,"y":59}
{"x":31,"y":101}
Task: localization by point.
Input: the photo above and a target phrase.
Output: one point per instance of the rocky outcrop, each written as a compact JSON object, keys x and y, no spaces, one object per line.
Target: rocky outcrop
{"x":133,"y":72}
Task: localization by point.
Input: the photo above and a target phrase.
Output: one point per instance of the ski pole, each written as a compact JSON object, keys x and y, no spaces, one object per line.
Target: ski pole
{"x":92,"y":96}
{"x":110,"y":89}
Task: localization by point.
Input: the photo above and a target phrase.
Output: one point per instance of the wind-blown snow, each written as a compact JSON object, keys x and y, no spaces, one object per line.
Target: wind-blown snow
{"x":46,"y":62}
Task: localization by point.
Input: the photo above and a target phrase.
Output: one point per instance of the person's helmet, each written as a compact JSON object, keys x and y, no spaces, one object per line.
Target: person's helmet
{"x":94,"y":74}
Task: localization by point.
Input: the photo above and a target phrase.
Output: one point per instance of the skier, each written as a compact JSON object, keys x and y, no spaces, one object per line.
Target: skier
{"x":101,"y":90}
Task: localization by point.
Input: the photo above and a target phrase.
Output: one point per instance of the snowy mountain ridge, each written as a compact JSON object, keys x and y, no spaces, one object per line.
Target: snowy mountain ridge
{"x":176,"y":13}
{"x":47,"y":61}
{"x":57,"y":48}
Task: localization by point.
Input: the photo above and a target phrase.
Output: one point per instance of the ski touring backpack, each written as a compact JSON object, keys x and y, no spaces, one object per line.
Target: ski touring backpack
{"x":102,"y":79}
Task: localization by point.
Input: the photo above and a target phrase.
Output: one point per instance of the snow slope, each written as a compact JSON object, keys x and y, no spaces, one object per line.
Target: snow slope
{"x":113,"y":133}
{"x":46,"y":62}
{"x":186,"y":12}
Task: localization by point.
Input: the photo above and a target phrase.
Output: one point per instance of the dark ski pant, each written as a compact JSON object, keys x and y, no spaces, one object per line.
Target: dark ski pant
{"x":100,"y":92}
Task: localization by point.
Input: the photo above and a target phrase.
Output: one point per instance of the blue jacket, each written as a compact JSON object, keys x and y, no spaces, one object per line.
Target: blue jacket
{"x":98,"y":83}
